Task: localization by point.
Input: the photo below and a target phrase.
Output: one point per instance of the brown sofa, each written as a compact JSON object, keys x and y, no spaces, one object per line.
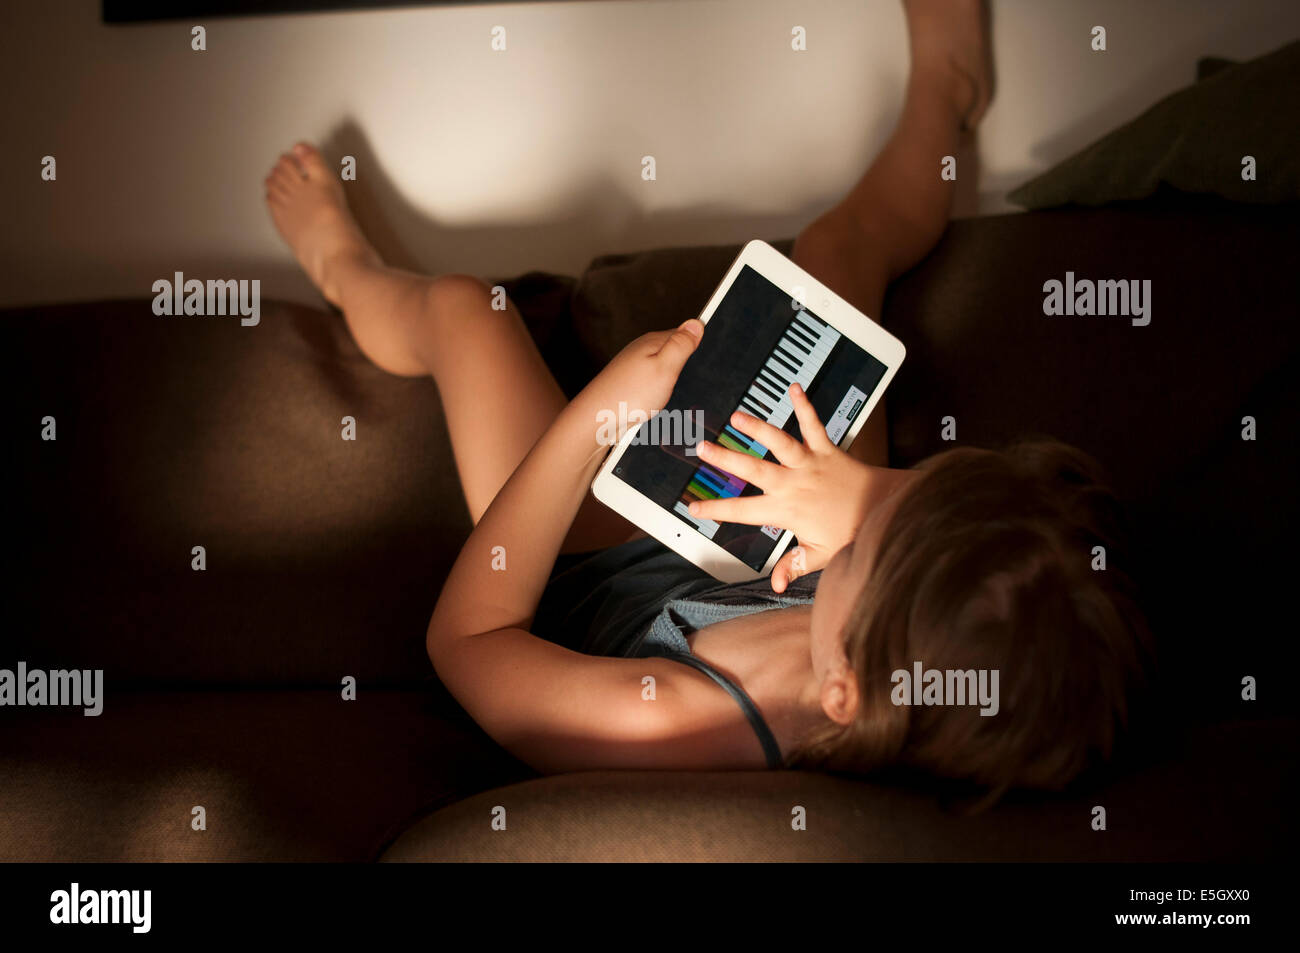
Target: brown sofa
{"x":324,"y":559}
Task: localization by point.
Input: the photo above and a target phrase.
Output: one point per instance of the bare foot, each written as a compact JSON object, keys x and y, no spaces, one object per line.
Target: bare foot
{"x":311,"y":214}
{"x":951,"y":37}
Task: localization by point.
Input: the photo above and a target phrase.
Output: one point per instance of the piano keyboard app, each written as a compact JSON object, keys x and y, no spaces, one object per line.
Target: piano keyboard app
{"x":755,"y":346}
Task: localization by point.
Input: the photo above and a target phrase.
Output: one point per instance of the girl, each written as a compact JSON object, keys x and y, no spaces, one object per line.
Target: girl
{"x":974,"y":561}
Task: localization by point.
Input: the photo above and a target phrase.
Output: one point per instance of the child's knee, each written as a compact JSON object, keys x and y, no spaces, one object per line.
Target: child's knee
{"x":463,"y":294}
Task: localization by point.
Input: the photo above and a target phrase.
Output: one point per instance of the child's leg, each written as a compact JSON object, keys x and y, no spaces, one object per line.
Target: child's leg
{"x":497,"y":393}
{"x":896,"y":213}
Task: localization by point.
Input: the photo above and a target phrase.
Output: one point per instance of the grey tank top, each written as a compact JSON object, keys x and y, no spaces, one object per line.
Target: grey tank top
{"x":642,"y":600}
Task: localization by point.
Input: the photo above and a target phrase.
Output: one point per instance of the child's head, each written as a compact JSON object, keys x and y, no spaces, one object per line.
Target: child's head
{"x":985,"y":562}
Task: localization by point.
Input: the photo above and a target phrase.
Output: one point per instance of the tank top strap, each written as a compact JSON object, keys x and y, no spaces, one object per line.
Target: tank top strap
{"x":771,"y":750}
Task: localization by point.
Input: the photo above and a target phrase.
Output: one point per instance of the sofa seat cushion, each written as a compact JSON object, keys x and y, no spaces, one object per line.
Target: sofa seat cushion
{"x":1198,"y":801}
{"x":282,"y":775}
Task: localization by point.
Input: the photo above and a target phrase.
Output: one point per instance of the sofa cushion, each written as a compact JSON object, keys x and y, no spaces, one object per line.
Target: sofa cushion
{"x":1174,"y":809}
{"x":323,"y":556}
{"x":282,"y":775}
{"x":1194,"y":140}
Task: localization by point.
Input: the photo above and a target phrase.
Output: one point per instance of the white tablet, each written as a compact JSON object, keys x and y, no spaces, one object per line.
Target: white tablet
{"x":768,"y":325}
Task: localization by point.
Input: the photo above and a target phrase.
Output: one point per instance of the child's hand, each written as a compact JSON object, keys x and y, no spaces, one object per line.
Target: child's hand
{"x":816,"y":489}
{"x":643,"y":374}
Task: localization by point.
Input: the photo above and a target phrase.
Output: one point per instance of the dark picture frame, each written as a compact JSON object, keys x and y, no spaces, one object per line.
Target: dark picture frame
{"x":137,"y":11}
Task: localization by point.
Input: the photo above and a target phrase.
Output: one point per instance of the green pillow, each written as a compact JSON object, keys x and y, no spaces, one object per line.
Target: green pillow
{"x":1195,"y":141}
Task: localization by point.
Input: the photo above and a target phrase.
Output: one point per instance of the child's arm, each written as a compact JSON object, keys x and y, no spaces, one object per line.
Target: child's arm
{"x":554,"y":708}
{"x":526,"y":523}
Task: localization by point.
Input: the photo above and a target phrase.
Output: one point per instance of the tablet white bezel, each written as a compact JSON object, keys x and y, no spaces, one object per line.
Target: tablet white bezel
{"x":669,"y":529}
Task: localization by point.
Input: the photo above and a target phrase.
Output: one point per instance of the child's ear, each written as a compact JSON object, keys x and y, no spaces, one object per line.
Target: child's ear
{"x":839,"y":694}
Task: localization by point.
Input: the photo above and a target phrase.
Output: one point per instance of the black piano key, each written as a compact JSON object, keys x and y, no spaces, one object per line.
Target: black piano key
{"x":800,"y":335}
{"x":740,"y":438}
{"x":770,"y":382}
{"x":800,"y":323}
{"x":815,"y":325}
{"x":792,"y":342}
{"x":765,"y":388}
{"x":793,"y":352}
{"x":779,"y":374}
{"x":782,"y":359}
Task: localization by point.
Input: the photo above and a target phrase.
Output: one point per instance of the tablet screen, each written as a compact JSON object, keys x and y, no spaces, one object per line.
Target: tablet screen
{"x":755,"y":345}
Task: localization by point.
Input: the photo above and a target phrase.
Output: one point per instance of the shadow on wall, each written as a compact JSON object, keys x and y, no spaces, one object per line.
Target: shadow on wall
{"x":1133,"y":101}
{"x":409,"y":238}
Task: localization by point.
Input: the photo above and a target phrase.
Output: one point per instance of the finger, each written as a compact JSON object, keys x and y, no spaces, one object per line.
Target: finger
{"x":750,"y":510}
{"x":652,"y":341}
{"x":784,"y":447}
{"x":783,"y":573}
{"x":810,"y":425}
{"x":761,"y":473}
{"x":681,"y":343}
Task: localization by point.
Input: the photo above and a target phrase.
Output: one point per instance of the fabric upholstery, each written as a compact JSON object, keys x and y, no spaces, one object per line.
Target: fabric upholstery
{"x":285,"y":775}
{"x":1193,"y":140}
{"x":1174,"y":809}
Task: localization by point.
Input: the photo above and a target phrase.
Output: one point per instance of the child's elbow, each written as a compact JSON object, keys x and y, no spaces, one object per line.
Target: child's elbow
{"x":435,"y":641}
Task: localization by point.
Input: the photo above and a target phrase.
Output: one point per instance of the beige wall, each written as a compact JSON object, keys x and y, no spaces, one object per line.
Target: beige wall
{"x":497,"y":163}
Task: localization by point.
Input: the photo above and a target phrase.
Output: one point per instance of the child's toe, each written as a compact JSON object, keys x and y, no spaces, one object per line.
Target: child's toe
{"x":309,"y":157}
